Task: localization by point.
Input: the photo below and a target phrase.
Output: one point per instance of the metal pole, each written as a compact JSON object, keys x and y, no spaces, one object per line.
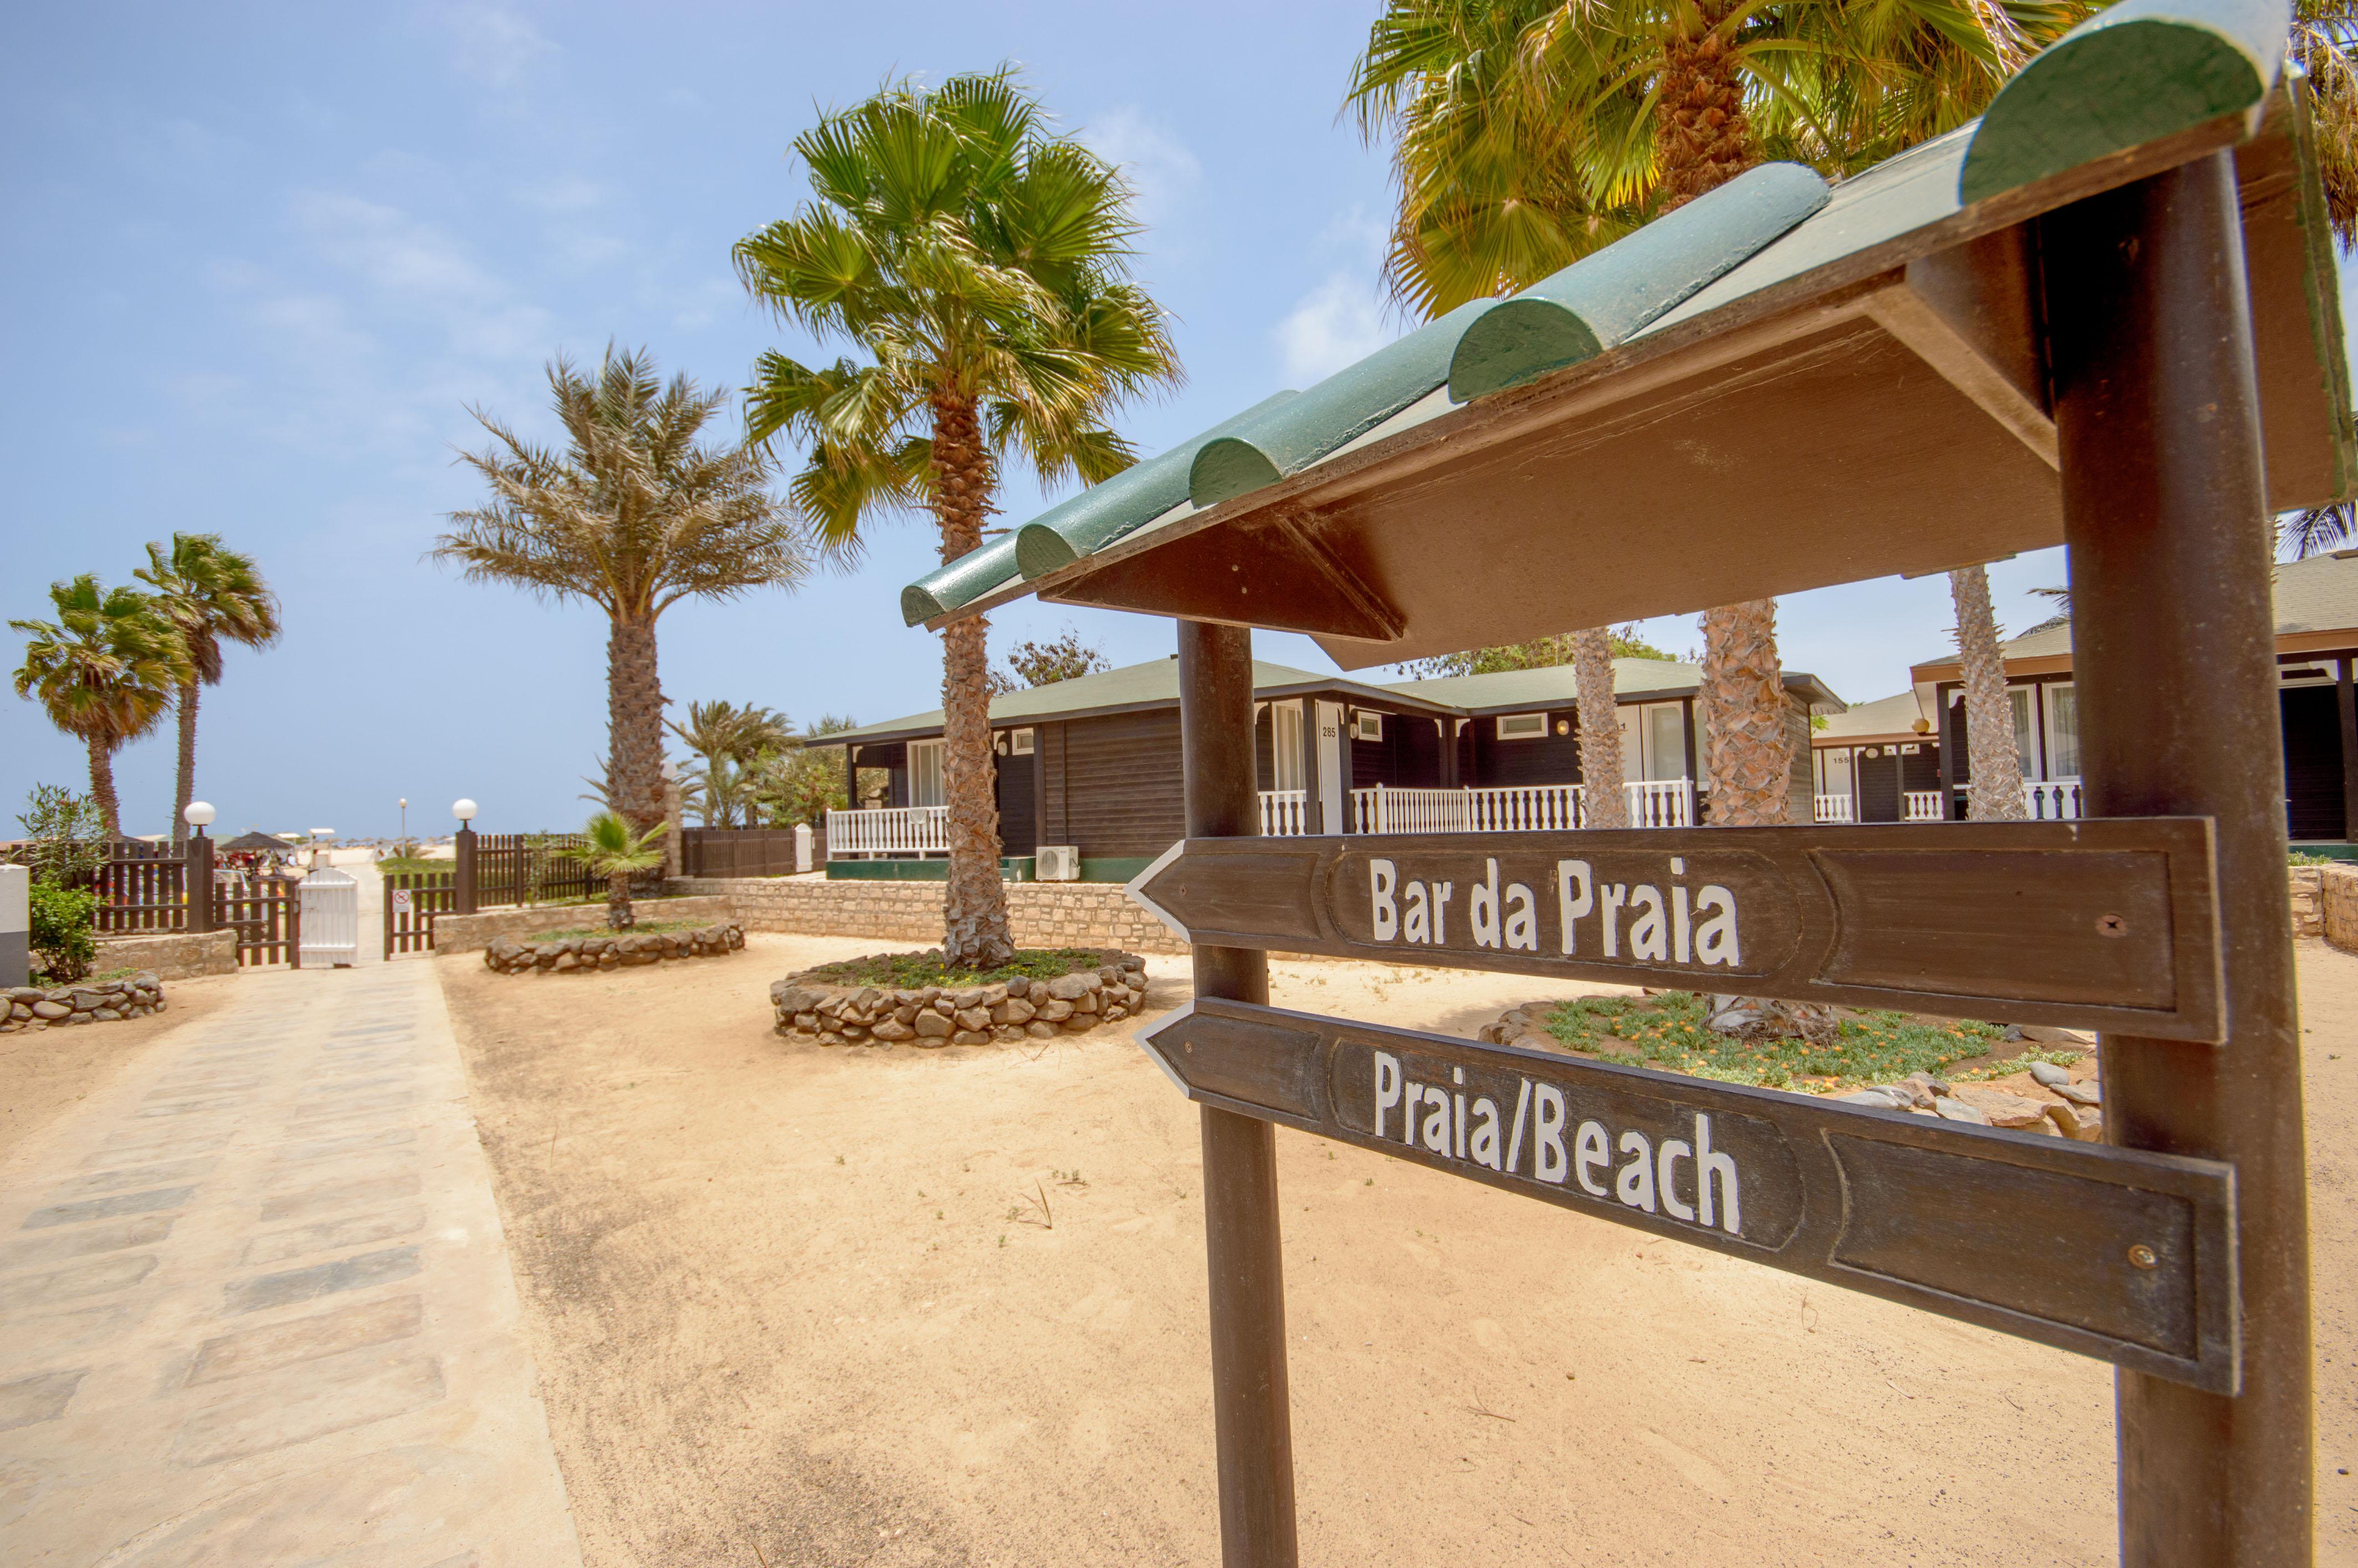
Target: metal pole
{"x":1249,"y":1405}
{"x":463,"y":879}
{"x":2174,"y":641}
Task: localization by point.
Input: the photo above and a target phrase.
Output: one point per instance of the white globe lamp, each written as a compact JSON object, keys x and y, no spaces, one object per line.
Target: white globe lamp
{"x":199,"y":813}
{"x":464,"y":810}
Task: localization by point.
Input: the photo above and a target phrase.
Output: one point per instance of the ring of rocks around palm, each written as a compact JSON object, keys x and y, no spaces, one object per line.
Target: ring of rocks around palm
{"x":624,"y":949}
{"x":2055,"y":1102}
{"x":931,"y":1016}
{"x":31,"y":1008}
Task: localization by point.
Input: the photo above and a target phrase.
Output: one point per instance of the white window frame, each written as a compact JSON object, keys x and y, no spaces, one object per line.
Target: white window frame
{"x":2049,"y":717}
{"x":1019,"y":743}
{"x":1537,"y":722}
{"x":1285,"y":745}
{"x":939,"y":751}
{"x":2023,"y":704}
{"x":1367,"y":726}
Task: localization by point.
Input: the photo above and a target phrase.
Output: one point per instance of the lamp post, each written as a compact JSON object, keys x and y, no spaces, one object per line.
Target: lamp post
{"x":463,"y":845}
{"x":197,"y":890}
{"x":405,"y":819}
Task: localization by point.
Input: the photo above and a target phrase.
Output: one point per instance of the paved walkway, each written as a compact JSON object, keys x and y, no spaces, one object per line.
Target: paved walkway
{"x":255,"y":1305}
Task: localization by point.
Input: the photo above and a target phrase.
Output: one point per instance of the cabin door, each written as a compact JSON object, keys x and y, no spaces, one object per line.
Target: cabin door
{"x":1334,"y":767}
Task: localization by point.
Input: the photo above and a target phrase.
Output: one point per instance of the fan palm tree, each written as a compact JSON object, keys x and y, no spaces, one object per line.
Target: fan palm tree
{"x":104,"y":670}
{"x":213,"y":595}
{"x":980,"y":262}
{"x":615,"y":850}
{"x":718,"y":729}
{"x":633,"y":516}
{"x":1526,"y":135}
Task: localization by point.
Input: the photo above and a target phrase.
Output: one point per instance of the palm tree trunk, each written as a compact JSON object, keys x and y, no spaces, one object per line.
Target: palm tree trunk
{"x":618,"y":900}
{"x":1701,"y":138}
{"x":102,"y":786}
{"x":184,"y":790}
{"x":635,"y":704}
{"x":1604,"y":803}
{"x":1991,"y":759}
{"x":974,"y":907}
{"x":1748,"y":751}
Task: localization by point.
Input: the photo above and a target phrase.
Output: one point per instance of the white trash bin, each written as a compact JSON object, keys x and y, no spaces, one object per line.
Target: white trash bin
{"x":332,"y":919}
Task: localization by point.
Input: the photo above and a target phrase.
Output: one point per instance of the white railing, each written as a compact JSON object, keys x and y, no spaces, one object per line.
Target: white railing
{"x":893,"y":830}
{"x":2050,"y":800}
{"x":1512,"y":808}
{"x":1920,"y":805}
{"x":1836,"y":808}
{"x":1283,"y":812}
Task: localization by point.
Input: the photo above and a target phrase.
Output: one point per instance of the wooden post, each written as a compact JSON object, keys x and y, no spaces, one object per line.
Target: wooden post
{"x":197,"y":881}
{"x":1252,"y":1420}
{"x":1314,"y":818}
{"x":2174,"y":640}
{"x":462,"y":877}
{"x":2347,"y":692}
{"x":1951,"y":716}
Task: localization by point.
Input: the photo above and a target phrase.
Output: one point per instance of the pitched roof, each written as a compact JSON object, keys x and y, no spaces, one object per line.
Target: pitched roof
{"x":1633,"y":680}
{"x":2315,"y":599}
{"x":1786,"y":373}
{"x":1154,"y":684}
{"x":1885,"y":717}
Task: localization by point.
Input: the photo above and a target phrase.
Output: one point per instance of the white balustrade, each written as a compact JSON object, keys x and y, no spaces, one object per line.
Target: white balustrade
{"x":1283,"y":812}
{"x":2050,"y":800}
{"x":1660,"y":802}
{"x":1836,"y":808}
{"x":1920,"y":805}
{"x":1513,"y":808}
{"x":891,"y":830}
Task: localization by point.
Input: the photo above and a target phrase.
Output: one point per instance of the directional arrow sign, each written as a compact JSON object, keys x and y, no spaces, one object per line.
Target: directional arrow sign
{"x":2116,"y":1253}
{"x":2108,"y":924}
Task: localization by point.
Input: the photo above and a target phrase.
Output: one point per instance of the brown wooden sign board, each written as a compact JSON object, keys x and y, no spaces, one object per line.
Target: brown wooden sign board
{"x":2109,"y":924}
{"x":2120,"y":1254}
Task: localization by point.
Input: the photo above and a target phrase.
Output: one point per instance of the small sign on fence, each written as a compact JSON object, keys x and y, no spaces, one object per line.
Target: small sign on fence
{"x":401,"y":901}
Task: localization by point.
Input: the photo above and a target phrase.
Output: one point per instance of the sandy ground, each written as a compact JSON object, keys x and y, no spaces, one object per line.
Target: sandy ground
{"x":800,"y":1305}
{"x":45,"y":1075}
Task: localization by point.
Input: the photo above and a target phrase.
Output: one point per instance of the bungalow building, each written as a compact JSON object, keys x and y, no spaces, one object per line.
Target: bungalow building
{"x":2317,"y":645}
{"x":1877,"y":762}
{"x":1094,"y":763}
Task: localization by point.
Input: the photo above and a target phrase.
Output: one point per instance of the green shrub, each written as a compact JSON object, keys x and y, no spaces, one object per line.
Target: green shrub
{"x":61,"y":937}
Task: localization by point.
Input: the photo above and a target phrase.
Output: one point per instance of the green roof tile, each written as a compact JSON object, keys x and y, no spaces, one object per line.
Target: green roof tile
{"x":961,"y":582}
{"x":1330,"y":414}
{"x":1104,"y":512}
{"x":1607,"y":298}
{"x":2135,"y":73}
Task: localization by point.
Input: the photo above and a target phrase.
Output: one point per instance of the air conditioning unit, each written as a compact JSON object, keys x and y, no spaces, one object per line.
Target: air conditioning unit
{"x":1057,"y":863}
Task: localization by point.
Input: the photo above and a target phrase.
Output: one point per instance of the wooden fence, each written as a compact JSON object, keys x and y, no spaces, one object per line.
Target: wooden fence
{"x":140,"y":890}
{"x":267,"y":918}
{"x":528,"y":868}
{"x":743,"y":851}
{"x":412,"y":900}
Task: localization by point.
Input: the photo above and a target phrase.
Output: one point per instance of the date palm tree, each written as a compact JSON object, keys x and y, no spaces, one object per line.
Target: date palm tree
{"x":1528,"y":134}
{"x":979,"y":261}
{"x":617,"y":851}
{"x":214,"y":595}
{"x":104,"y":670}
{"x":633,"y":516}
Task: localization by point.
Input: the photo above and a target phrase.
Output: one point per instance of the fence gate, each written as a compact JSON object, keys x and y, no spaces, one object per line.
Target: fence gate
{"x":412,"y":900}
{"x":268,"y":921}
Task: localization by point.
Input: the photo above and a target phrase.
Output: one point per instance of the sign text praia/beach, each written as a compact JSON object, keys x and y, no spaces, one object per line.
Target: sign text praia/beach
{"x":2121,"y":1254}
{"x":2095,"y":925}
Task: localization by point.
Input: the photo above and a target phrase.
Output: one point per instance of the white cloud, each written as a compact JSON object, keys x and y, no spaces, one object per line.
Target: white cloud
{"x":566,"y":193}
{"x":1338,"y":323}
{"x":1161,"y":170}
{"x":392,"y":251}
{"x":494,"y":46}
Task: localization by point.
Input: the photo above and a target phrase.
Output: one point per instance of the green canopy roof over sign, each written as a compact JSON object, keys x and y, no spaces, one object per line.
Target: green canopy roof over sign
{"x":1773,"y":389}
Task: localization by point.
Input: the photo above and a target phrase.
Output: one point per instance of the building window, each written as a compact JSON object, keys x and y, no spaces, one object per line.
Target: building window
{"x":2025,"y":751}
{"x":1666,"y":741}
{"x":925,"y":783}
{"x":1285,"y":741}
{"x":1522,"y":726}
{"x":1367,"y":726}
{"x":2062,"y":732}
{"x":1020,"y":743}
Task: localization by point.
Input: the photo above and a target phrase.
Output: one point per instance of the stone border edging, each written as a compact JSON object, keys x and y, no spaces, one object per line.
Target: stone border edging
{"x":974,"y":1015}
{"x":624,"y":949}
{"x":35,"y":1008}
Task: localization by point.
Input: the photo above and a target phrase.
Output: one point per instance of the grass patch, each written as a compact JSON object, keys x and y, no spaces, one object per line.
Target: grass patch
{"x":2303,"y":858}
{"x":915,"y":971}
{"x":1668,"y":1031}
{"x":643,"y":928}
{"x":412,"y":866}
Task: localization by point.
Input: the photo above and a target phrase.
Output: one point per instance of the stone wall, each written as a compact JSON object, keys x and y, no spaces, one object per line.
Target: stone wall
{"x":473,"y":933}
{"x":1045,"y":915}
{"x":582,"y":955}
{"x":2308,"y":901}
{"x":30,"y":1008}
{"x":170,"y":955}
{"x":2337,"y":903}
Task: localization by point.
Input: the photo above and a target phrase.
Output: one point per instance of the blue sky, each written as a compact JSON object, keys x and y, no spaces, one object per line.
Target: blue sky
{"x":260,"y":261}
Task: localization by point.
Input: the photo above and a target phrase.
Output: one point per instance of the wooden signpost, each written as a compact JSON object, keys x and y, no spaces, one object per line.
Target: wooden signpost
{"x":2115,"y":1253}
{"x":2085,"y":924}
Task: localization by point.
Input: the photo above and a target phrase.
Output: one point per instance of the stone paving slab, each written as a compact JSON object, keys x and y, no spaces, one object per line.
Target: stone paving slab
{"x":255,"y":1305}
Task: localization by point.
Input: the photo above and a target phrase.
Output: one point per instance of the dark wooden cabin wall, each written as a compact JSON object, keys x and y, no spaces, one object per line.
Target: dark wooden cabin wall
{"x":1264,"y":747}
{"x":1017,"y":789}
{"x":2313,"y":745}
{"x":1055,"y":828}
{"x":1124,"y":793}
{"x":1878,"y":787}
{"x":1415,"y":761}
{"x":1550,"y":758}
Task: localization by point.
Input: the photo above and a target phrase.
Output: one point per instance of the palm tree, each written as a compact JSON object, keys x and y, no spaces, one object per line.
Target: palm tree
{"x":104,"y":670}
{"x":1528,"y":134}
{"x":617,"y":852}
{"x":632,"y":517}
{"x":980,"y":261}
{"x":213,"y":595}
